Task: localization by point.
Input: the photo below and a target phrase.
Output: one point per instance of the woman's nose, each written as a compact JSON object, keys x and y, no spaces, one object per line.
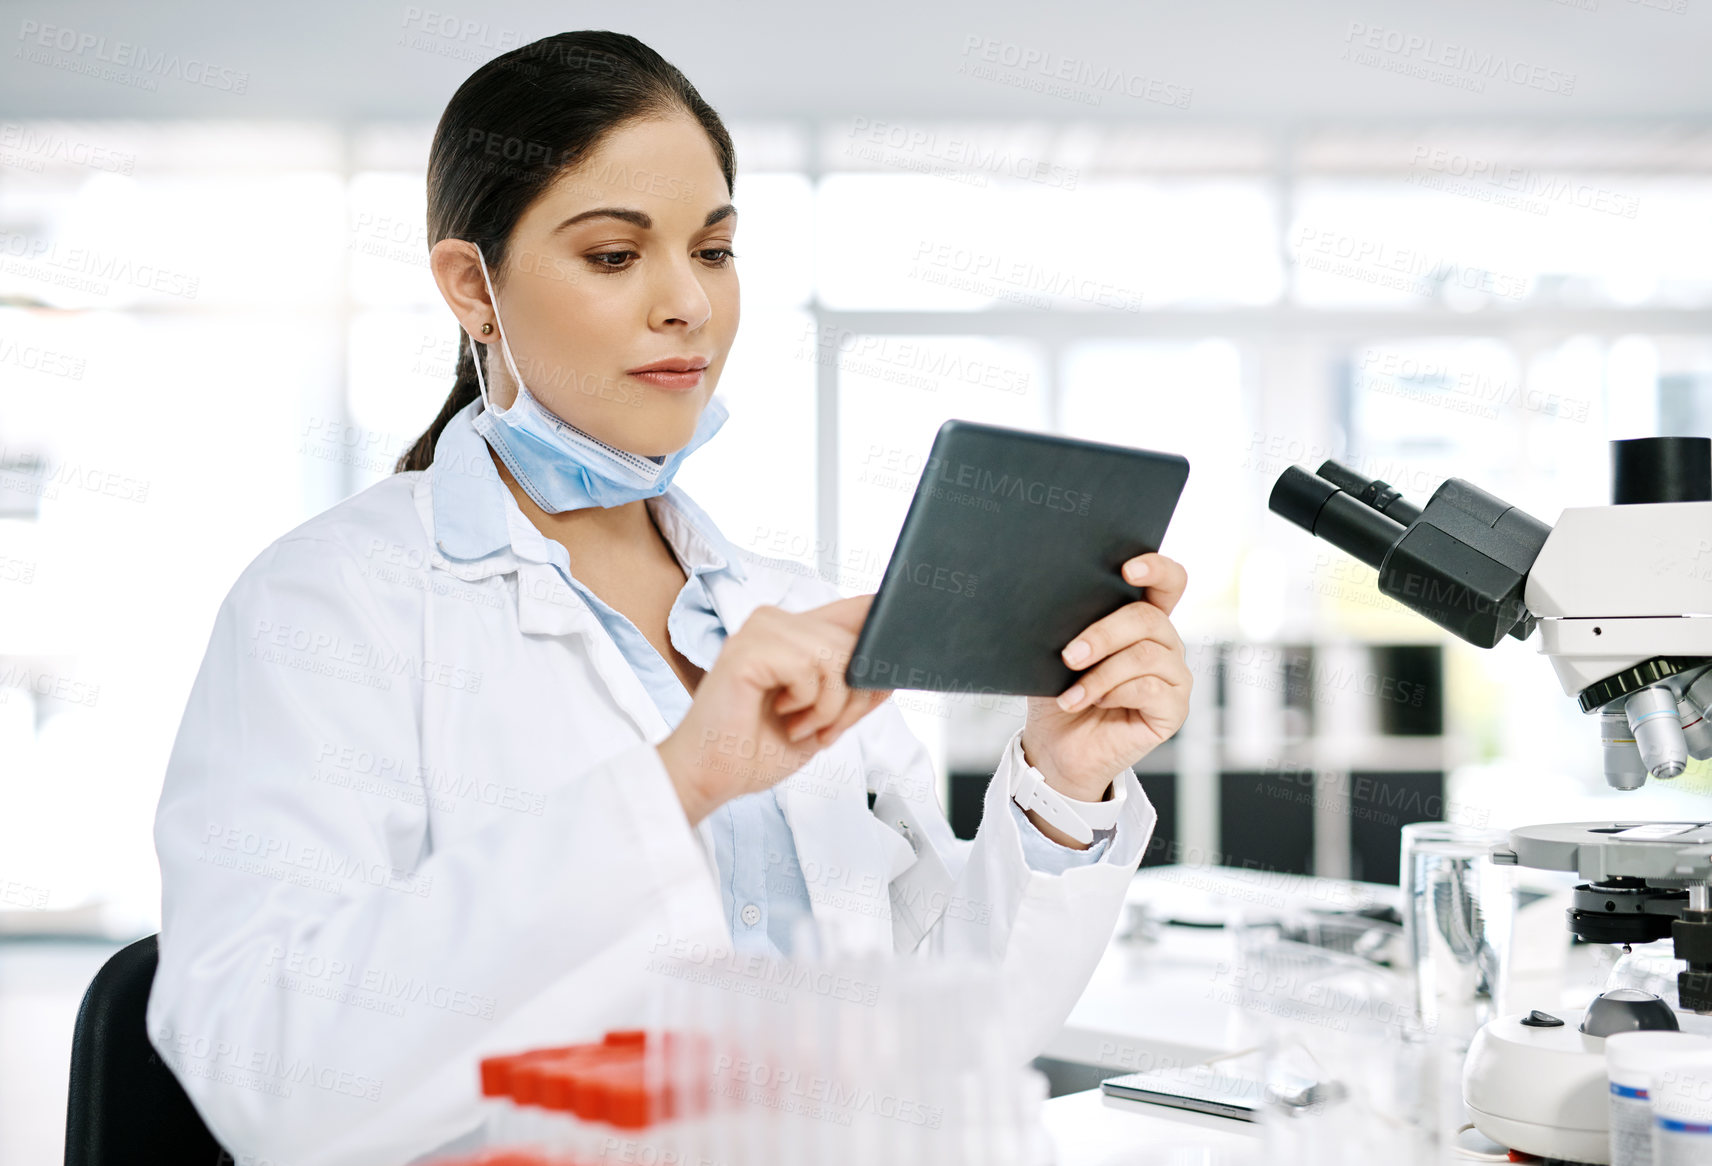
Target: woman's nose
{"x":680,"y":299}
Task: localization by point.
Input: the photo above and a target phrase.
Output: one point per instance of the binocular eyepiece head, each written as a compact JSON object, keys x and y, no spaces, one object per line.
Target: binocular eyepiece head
{"x":1462,"y":560}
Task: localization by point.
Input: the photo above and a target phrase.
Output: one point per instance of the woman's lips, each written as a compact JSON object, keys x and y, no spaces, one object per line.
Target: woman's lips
{"x":672,"y":381}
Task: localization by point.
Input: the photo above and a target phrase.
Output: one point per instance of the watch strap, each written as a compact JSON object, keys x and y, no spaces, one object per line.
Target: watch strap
{"x":1078,"y":819}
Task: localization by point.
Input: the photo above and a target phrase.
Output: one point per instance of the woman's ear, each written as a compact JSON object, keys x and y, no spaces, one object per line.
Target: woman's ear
{"x":458,"y":274}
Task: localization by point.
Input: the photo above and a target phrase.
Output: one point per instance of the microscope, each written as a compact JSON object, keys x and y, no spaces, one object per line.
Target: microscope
{"x":1621,"y":597}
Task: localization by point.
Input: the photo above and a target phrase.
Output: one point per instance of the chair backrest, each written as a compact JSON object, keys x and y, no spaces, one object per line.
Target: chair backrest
{"x":125,"y":1105}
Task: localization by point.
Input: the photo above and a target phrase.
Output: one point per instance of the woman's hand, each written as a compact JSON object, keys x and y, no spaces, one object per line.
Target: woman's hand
{"x":1133,"y":695}
{"x":773,"y":699}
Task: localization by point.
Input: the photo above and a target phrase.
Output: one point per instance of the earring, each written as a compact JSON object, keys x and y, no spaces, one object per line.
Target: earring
{"x":486,"y":328}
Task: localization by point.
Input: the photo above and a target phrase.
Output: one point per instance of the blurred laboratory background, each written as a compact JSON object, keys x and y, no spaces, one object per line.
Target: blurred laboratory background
{"x":1469,"y":239}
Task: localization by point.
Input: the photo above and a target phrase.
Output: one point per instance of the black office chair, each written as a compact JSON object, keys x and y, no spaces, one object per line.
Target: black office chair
{"x":125,"y":1105}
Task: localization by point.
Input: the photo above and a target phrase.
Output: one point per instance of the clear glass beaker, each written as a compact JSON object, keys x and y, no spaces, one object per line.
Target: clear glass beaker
{"x":1458,"y":911}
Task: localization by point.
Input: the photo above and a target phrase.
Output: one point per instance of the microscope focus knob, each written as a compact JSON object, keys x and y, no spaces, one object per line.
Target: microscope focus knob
{"x":1694,"y":990}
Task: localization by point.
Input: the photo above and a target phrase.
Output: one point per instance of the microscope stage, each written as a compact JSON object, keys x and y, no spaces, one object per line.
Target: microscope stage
{"x":1663,"y":853}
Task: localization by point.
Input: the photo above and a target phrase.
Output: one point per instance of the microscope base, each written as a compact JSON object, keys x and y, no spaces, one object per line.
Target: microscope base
{"x":1539,"y":1090}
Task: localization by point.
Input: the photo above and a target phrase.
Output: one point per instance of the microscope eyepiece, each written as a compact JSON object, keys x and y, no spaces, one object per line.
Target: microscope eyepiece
{"x":1322,"y":509}
{"x":1382,"y":496}
{"x":1661,"y":469}
{"x":1462,"y":560}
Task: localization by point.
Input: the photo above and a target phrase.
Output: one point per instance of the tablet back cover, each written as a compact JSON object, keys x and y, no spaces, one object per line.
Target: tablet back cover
{"x":1012,"y":545}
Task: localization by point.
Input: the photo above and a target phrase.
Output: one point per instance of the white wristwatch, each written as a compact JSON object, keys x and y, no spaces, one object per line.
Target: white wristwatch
{"x":1076,"y":818}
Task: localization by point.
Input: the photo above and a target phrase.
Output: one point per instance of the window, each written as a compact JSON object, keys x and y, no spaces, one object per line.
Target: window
{"x":211,"y":332}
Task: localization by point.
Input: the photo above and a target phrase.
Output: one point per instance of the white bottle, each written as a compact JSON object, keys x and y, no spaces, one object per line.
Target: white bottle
{"x":1631,"y":1061}
{"x":1682,"y":1113}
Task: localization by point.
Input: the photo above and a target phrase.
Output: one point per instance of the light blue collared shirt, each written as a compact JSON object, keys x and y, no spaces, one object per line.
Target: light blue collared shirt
{"x":760,"y":879}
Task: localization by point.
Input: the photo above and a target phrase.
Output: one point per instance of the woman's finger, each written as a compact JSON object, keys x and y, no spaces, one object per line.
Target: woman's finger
{"x":1129,"y":624}
{"x":1170,"y":681}
{"x":1142,"y":658}
{"x":1160,"y":702}
{"x":848,"y":613}
{"x":829,"y":645}
{"x":1165,"y":579}
{"x":862,"y":702}
{"x":770,"y":653}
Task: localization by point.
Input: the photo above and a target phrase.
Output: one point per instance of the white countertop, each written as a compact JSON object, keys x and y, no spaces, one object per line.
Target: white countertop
{"x":1165,"y":1004}
{"x":1090,"y":1129}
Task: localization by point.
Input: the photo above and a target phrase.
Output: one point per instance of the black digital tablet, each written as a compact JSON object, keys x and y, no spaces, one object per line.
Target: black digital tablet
{"x":1012,"y":545}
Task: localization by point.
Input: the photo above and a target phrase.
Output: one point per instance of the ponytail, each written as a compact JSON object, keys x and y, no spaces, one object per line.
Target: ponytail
{"x":464,"y":390}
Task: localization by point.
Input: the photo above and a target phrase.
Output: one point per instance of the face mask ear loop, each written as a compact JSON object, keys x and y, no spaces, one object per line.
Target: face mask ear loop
{"x":475,"y":357}
{"x":504,"y":344}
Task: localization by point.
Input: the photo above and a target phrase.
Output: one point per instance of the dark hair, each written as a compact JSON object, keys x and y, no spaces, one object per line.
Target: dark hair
{"x":514,"y":126}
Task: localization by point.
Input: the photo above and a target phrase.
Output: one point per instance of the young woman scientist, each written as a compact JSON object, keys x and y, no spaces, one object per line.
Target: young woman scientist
{"x":471,"y":753}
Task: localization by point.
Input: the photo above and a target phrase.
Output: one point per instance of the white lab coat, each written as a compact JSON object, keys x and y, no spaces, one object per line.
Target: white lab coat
{"x":414,"y":816}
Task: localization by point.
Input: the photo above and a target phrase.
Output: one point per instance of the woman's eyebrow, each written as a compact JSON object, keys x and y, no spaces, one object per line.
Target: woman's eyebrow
{"x":639,"y":218}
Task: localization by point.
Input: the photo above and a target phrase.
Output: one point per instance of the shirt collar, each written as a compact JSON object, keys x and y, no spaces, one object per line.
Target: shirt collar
{"x":475,"y":515}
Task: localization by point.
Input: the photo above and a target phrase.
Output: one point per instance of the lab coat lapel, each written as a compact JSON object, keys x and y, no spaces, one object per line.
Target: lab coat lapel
{"x":845,"y":862}
{"x":843,"y":858}
{"x":548,"y":606}
{"x":735,"y":600}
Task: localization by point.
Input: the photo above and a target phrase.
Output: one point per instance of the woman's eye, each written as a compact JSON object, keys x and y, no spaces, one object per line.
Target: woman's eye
{"x":620,"y":260}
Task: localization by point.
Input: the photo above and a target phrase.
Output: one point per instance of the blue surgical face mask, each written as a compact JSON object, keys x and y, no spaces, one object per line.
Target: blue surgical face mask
{"x":557,"y":464}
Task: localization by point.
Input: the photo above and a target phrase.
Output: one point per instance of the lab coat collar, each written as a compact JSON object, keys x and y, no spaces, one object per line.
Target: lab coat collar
{"x":478,"y":531}
{"x":475,"y":515}
{"x":469,"y":499}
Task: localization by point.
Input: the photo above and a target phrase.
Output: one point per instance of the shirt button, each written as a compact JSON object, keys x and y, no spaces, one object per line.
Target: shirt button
{"x":751,"y":914}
